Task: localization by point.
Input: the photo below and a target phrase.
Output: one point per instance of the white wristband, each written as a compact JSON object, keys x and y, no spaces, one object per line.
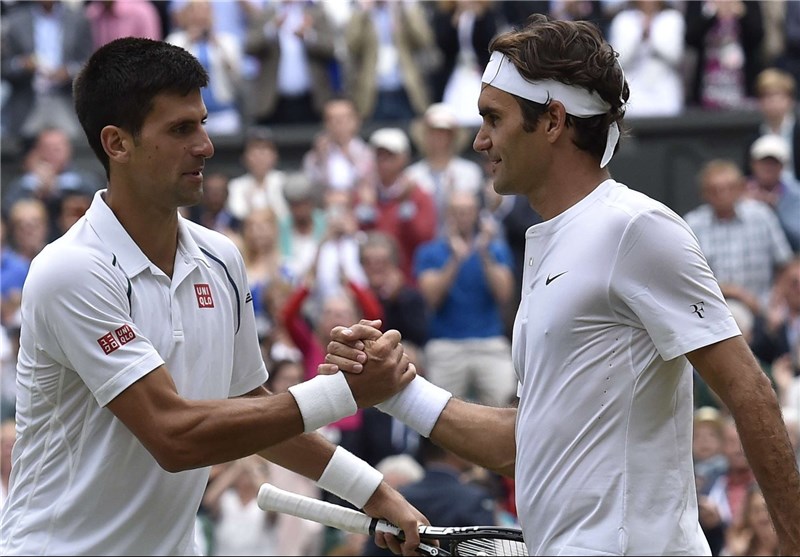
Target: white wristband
{"x":350,"y":478}
{"x":323,"y":400}
{"x":418,"y":405}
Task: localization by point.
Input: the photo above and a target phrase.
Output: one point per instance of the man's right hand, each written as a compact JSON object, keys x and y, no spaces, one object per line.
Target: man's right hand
{"x":346,"y":347}
{"x":386,"y":372}
{"x":375,"y":364}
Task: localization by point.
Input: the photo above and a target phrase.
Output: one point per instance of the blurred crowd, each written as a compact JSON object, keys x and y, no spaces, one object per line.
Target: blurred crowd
{"x":401,"y":224}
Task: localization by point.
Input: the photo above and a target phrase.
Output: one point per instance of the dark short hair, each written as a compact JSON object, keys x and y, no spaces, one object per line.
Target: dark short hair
{"x":118,"y":83}
{"x":574,"y":53}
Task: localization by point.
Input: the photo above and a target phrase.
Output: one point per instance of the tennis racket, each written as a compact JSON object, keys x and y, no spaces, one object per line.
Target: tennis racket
{"x":467,"y":540}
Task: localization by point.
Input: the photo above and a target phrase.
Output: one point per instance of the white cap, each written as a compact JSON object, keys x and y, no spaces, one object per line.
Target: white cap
{"x":770,"y":146}
{"x":393,"y":140}
{"x":441,"y":117}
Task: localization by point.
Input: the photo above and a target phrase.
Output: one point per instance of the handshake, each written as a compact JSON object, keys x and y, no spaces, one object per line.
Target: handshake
{"x":365,"y":367}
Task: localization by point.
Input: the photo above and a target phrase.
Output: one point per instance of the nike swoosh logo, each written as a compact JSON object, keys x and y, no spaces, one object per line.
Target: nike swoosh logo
{"x":551,"y":279}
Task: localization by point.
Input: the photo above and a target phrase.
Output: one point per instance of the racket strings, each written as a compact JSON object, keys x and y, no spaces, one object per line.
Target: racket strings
{"x":489,"y":546}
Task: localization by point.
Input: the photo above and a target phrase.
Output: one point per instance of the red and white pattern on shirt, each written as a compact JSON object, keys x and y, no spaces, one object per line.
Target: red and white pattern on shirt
{"x":113,"y":340}
{"x":204,"y":297}
{"x":125,"y":334}
{"x":108,"y":343}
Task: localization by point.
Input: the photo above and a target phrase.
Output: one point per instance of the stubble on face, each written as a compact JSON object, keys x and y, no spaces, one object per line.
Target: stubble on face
{"x":173,"y":147}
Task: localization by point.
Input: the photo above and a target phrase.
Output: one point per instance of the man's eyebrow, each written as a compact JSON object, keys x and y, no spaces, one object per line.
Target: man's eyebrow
{"x":187,"y":120}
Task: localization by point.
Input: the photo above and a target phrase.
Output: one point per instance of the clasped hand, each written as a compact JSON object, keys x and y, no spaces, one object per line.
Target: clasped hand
{"x":376,"y":366}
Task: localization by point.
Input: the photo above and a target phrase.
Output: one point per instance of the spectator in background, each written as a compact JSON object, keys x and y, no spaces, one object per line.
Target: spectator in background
{"x":302,"y":230}
{"x":709,"y":464}
{"x":789,"y":57}
{"x":600,"y":12}
{"x":276,"y":342}
{"x":113,"y":19}
{"x":726,"y":36}
{"x":339,"y":160}
{"x":261,"y":186}
{"x":462,"y":30}
{"x":385,"y":41}
{"x":443,"y":494}
{"x":777,"y":338}
{"x":649,"y":37}
{"x":263,"y":261}
{"x":773,"y":45}
{"x":466,"y":277}
{"x":707,"y":438}
{"x":769,"y":155}
{"x":45,"y":43}
{"x":741,"y":238}
{"x":440,"y":139}
{"x":337,"y":260}
{"x":400,"y":469}
{"x":13,"y":270}
{"x":310,"y":327}
{"x":240,"y":527}
{"x":28,"y":228}
{"x":49,"y":174}
{"x":381,"y":436}
{"x":228,"y":16}
{"x":393,"y":202}
{"x":404,"y":308}
{"x":293,"y":41}
{"x":212,"y":211}
{"x":729,"y":490}
{"x":754,"y":533}
{"x":776,"y":92}
{"x":73,"y":206}
{"x":220,"y":54}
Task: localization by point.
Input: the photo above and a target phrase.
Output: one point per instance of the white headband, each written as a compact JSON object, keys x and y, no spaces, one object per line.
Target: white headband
{"x":501,"y":73}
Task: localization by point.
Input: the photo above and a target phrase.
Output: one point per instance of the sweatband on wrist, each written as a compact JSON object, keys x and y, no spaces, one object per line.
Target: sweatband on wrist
{"x":350,"y":478}
{"x":418,"y":405}
{"x":324,"y":400}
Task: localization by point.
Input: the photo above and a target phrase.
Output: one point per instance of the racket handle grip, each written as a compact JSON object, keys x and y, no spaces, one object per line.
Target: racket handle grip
{"x":271,"y":498}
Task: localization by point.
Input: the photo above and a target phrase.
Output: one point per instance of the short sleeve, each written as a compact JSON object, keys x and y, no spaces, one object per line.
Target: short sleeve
{"x":662,"y":280}
{"x":80,"y":316}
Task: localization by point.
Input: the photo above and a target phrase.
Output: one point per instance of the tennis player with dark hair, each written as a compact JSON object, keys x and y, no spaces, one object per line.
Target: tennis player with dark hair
{"x":618,"y":305}
{"x":139,"y":364}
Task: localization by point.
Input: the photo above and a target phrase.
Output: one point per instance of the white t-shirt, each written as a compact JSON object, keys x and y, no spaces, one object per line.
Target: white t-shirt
{"x":243,"y":528}
{"x":97,"y":316}
{"x":615,"y":291}
{"x":245,"y":195}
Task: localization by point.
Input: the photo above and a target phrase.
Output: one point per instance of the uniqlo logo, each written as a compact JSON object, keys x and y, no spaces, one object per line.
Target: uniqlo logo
{"x":108,"y":343}
{"x":125,"y":334}
{"x":204,"y":298}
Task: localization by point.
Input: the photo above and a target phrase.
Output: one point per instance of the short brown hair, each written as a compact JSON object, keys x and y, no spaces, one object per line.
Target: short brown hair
{"x":574,"y":53}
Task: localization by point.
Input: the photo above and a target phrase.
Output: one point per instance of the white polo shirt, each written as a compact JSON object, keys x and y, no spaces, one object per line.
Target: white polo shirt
{"x":615,"y":291}
{"x":97,"y":316}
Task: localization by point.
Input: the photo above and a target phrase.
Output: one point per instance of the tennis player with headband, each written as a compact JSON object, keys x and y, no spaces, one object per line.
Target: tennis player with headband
{"x":618,"y":306}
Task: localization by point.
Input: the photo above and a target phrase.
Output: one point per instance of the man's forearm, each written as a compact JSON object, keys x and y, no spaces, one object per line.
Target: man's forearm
{"x":766,"y":443}
{"x":483,"y":435}
{"x":306,"y":454}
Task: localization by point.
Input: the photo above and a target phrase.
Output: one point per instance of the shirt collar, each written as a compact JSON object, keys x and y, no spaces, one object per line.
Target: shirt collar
{"x":132,"y":259}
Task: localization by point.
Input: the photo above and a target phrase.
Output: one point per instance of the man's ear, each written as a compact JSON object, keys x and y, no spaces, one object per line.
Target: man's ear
{"x":556,"y":117}
{"x":117,"y":143}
